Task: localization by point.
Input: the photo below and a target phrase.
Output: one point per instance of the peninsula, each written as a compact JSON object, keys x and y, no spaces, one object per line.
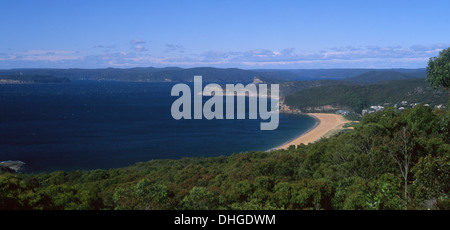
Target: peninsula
{"x":31,"y":79}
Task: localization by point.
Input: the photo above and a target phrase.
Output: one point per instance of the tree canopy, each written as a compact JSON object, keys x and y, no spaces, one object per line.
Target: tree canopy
{"x":391,"y":160}
{"x":438,"y":70}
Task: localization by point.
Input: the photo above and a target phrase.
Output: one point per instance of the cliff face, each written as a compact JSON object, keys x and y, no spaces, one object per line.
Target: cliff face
{"x":256,"y":80}
{"x":286,"y":109}
{"x":11,"y":166}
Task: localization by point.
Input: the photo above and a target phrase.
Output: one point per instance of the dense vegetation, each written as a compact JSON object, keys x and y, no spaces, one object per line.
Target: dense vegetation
{"x":217,"y":74}
{"x":383,"y":76}
{"x":148,"y":74}
{"x":390,"y":160}
{"x":292,"y":87}
{"x":357,"y":97}
{"x":368,"y":77}
{"x":438,"y":70}
{"x":357,"y":75}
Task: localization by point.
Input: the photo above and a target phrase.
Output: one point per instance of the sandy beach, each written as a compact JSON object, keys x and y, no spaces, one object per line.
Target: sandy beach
{"x":328,"y":124}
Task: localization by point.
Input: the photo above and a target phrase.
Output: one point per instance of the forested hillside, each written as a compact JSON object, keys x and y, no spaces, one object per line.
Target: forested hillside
{"x":356,"y":75}
{"x":357,"y":97}
{"x":382,"y":76}
{"x":176,"y":74}
{"x":390,"y":160}
{"x":150,"y":74}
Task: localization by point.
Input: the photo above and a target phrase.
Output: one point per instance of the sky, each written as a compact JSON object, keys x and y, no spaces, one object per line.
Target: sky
{"x":243,"y":34}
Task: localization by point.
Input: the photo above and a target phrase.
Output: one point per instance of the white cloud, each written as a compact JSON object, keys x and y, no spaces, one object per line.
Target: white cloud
{"x":140,"y":48}
{"x":45,"y":52}
{"x":137,"y":42}
{"x":174,"y":47}
{"x":138,"y":45}
{"x":43,"y":56}
{"x":334,"y":57}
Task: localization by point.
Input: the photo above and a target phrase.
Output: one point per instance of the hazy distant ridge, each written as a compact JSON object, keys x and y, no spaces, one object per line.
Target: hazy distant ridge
{"x":151,"y":74}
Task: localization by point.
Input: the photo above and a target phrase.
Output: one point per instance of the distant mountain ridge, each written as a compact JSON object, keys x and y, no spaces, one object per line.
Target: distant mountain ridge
{"x":380,"y":76}
{"x":340,"y":74}
{"x":211,"y":74}
{"x":148,"y":74}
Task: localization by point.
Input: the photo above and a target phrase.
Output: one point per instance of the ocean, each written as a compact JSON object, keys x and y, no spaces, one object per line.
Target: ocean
{"x":87,"y":125}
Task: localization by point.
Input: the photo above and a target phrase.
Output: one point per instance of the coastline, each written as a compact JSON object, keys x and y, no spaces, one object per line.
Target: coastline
{"x":327,"y":124}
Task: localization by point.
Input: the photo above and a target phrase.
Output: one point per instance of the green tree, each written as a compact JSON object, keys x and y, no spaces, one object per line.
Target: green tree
{"x":421,"y":120}
{"x":438,"y":70}
{"x":283,"y":195}
{"x":199,"y":198}
{"x":432,"y":176}
{"x":124,"y":198}
{"x":151,"y":196}
{"x":69,"y":197}
{"x":368,"y":135}
{"x":240,"y":191}
{"x":9,"y":190}
{"x":385,"y":193}
{"x":401,"y":149}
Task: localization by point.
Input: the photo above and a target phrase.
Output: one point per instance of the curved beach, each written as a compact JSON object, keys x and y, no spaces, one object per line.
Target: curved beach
{"x":327,"y":125}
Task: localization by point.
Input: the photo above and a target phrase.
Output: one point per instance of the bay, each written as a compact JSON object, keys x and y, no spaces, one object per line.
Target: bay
{"x":100,"y":125}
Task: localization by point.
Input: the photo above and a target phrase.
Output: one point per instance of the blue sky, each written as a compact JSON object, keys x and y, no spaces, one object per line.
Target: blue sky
{"x":243,"y":34}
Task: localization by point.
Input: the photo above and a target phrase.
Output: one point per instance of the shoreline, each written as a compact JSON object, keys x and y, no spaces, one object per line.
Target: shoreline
{"x":326,"y":125}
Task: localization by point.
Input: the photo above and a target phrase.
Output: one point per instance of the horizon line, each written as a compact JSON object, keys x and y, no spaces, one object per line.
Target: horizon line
{"x":197,"y":67}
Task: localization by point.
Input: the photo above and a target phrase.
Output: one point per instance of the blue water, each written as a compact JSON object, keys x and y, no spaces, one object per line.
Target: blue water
{"x":90,"y":125}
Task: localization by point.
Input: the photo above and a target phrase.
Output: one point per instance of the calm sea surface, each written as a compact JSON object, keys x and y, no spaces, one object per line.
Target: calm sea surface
{"x":90,"y":125}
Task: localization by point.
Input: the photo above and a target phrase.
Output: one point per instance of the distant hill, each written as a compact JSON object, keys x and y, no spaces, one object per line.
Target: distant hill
{"x":176,"y":74}
{"x":357,"y":97}
{"x":315,"y":74}
{"x":291,"y":87}
{"x":31,"y":79}
{"x":150,"y":74}
{"x":341,"y":74}
{"x":380,"y":76}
